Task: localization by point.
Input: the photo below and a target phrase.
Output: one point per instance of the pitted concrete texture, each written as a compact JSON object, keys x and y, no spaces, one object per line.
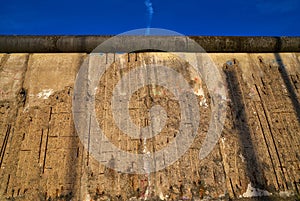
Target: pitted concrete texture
{"x":257,"y":155}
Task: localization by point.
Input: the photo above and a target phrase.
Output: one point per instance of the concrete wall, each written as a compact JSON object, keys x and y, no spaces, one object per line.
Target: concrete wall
{"x":42,"y":158}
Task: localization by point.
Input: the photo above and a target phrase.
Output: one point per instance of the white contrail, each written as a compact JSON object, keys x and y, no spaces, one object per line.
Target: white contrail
{"x":150,"y":11}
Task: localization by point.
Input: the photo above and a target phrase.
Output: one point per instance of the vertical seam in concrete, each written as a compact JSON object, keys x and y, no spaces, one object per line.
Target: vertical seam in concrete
{"x":7,"y":184}
{"x":232,"y":189}
{"x":89,"y":138}
{"x":46,"y":145}
{"x":40,"y":148}
{"x":26,"y":65}
{"x":4,"y":145}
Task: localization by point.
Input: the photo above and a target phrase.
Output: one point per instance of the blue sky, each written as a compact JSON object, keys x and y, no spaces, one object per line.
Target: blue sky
{"x":188,"y":17}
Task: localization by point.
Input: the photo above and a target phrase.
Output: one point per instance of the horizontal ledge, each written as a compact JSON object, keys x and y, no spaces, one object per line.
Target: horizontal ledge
{"x":86,"y":44}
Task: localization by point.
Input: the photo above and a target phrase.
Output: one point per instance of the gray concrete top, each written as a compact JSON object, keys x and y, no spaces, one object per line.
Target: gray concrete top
{"x":56,"y":44}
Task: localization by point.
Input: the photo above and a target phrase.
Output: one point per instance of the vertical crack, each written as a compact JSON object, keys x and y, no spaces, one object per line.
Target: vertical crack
{"x":4,"y":144}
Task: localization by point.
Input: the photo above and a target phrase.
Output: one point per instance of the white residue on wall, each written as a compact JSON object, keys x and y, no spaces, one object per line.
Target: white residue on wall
{"x":199,"y":92}
{"x":255,"y":192}
{"x":45,"y":93}
{"x":242,"y":157}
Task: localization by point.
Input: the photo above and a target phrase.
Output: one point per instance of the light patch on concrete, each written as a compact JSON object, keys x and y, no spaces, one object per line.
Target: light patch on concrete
{"x":286,"y":193}
{"x":161,"y":196}
{"x":199,"y":92}
{"x":45,"y":93}
{"x":223,"y":140}
{"x":242,"y":157}
{"x":88,"y":197}
{"x":123,"y":62}
{"x":255,"y":192}
{"x":147,"y":168}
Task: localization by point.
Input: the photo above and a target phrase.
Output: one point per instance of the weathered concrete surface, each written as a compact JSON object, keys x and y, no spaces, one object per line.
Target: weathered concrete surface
{"x":42,"y":158}
{"x":86,"y":44}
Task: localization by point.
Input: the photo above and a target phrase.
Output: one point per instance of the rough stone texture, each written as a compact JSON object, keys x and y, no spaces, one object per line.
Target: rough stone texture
{"x":41,"y":157}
